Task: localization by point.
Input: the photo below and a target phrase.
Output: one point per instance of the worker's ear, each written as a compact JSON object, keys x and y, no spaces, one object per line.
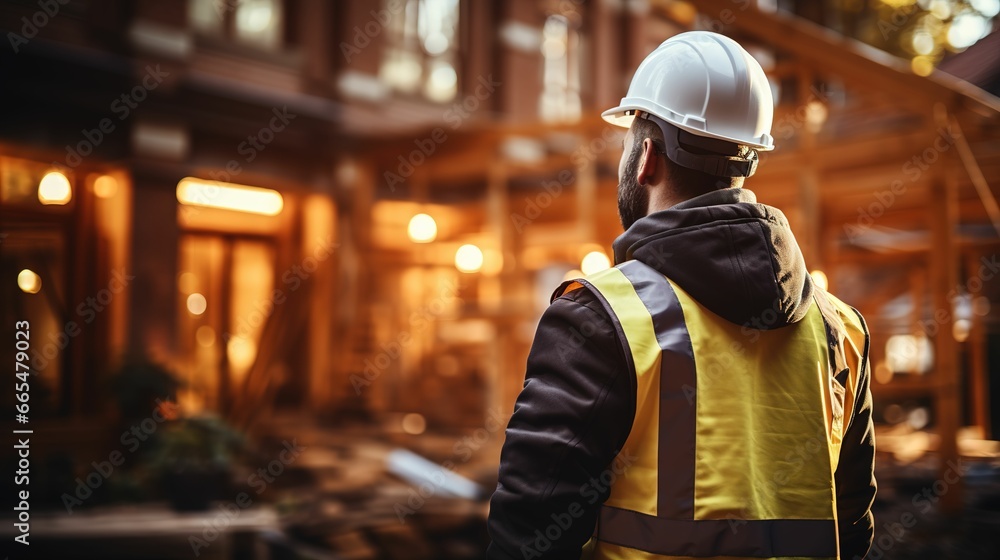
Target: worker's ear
{"x":647,"y":163}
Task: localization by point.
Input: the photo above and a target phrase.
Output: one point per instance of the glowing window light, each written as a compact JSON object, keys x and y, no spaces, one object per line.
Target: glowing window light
{"x":909,"y":353}
{"x":254,"y":17}
{"x":196,"y":304}
{"x":593,"y":262}
{"x":819,"y":278}
{"x":422,"y":229}
{"x":442,"y":83}
{"x":469,"y":258}
{"x":29,"y":282}
{"x":229,"y":196}
{"x":105,"y":186}
{"x":54,"y":188}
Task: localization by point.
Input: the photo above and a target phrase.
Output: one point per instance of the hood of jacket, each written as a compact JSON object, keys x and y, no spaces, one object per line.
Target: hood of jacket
{"x":736,"y":257}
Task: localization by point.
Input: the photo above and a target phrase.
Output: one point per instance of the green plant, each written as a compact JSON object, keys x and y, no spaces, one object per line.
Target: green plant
{"x":203,"y":443}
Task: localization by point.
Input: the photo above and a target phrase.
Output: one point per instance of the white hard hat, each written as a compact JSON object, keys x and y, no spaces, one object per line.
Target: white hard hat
{"x":705,"y":84}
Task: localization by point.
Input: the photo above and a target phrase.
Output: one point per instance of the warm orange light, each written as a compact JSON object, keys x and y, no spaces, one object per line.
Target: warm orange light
{"x":922,"y":65}
{"x":196,"y":304}
{"x":229,"y":196}
{"x":241,"y":352}
{"x":29,"y":281}
{"x":414,"y":423}
{"x":105,"y":186}
{"x":594,"y":262}
{"x":960,"y":329}
{"x":422,"y":229}
{"x":54,"y":188}
{"x":469,"y":258}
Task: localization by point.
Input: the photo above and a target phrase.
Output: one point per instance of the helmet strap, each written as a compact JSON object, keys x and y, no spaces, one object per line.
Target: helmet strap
{"x":723,"y":162}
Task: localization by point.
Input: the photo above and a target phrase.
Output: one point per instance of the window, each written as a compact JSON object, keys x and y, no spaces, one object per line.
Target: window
{"x":560,"y":99}
{"x":250,"y":22}
{"x":421,"y":49}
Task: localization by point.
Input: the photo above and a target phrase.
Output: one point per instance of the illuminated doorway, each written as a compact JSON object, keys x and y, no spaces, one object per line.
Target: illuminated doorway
{"x":226,"y":284}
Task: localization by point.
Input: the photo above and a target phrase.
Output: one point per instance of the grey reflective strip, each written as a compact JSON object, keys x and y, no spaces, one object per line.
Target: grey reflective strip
{"x":756,"y":538}
{"x":678,"y":384}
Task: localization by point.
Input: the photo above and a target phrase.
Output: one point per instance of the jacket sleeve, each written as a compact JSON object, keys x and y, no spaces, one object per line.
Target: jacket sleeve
{"x":855,"y":476}
{"x":572,"y":417}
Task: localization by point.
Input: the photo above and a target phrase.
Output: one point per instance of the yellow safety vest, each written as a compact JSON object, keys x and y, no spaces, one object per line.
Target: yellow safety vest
{"x":737,"y":431}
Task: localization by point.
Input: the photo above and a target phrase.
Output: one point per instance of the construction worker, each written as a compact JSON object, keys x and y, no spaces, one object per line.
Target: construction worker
{"x":704,"y":397}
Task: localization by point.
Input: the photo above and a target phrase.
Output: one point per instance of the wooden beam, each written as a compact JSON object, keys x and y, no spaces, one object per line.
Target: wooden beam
{"x":976,"y":175}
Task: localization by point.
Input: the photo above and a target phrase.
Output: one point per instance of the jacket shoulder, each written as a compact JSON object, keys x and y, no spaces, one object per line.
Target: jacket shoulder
{"x":851,"y":317}
{"x":854,"y":323}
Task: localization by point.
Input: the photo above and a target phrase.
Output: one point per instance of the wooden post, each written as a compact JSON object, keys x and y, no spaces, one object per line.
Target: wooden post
{"x":943,"y":209}
{"x":979,"y":382}
{"x":498,"y":215}
{"x":586,"y":200}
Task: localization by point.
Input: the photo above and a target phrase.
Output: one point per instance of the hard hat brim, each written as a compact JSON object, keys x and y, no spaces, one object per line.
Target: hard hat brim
{"x":619,"y":116}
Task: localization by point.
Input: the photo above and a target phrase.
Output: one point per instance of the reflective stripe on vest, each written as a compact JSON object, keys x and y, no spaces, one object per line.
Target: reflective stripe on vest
{"x":733,"y":457}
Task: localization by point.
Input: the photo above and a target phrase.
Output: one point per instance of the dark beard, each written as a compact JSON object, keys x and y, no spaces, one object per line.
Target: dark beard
{"x":633,"y":198}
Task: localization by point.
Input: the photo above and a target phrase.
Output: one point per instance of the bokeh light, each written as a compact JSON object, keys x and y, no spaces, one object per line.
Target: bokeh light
{"x":469,"y":258}
{"x":54,"y":188}
{"x":422,"y":228}
{"x":196,"y":304}
{"x":29,"y":281}
{"x":593,"y":262}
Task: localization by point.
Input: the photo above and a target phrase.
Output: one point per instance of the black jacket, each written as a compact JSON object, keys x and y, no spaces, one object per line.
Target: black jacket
{"x":736,"y":258}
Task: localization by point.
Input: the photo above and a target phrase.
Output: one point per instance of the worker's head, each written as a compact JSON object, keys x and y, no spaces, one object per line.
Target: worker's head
{"x":698,"y":110}
{"x":648,"y":180}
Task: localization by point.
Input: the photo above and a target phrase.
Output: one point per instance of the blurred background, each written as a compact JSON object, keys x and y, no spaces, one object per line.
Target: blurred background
{"x":282,"y":260}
